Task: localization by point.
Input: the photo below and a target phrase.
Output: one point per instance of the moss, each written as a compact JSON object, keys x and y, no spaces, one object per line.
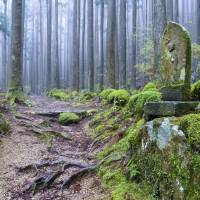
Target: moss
{"x":137,"y":102}
{"x":68,"y":118}
{"x":4,"y":127}
{"x":134,"y":92}
{"x":195,"y":91}
{"x":121,"y":188}
{"x":59,"y":94}
{"x":86,"y":96}
{"x":119,"y":97}
{"x":190,"y":125}
{"x":16,"y":96}
{"x":105,"y":93}
{"x":150,"y":87}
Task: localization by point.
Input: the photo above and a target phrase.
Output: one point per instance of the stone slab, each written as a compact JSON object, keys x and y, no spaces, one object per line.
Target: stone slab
{"x":170,"y":108}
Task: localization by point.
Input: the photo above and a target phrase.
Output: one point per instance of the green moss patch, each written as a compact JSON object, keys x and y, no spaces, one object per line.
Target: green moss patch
{"x":105,"y":93}
{"x":150,"y":87}
{"x":68,"y":118}
{"x":190,"y":125}
{"x":195,"y":91}
{"x":137,"y":102}
{"x":119,"y":97}
{"x":63,"y":95}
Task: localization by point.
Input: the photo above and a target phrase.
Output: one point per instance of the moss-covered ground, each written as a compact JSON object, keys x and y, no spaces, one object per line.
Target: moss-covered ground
{"x":134,"y":166}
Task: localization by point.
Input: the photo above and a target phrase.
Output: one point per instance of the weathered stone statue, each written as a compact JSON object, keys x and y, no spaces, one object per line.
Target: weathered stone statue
{"x":175,"y":75}
{"x":176,"y":63}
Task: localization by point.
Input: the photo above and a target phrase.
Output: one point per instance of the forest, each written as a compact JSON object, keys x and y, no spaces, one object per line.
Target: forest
{"x":100,"y":99}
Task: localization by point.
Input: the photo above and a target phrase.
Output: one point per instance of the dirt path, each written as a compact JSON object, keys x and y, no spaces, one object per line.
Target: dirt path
{"x":23,"y":147}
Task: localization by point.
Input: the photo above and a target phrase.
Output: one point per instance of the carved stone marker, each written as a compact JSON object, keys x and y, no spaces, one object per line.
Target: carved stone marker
{"x":176,"y":63}
{"x":175,"y":75}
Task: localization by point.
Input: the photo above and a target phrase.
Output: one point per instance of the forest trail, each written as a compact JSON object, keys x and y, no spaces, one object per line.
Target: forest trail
{"x":26,"y":145}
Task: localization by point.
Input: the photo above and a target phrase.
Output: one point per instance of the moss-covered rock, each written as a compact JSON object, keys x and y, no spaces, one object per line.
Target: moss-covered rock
{"x":190,"y":124}
{"x":86,"y":96}
{"x":68,"y":118}
{"x":59,"y":94}
{"x":168,"y":160}
{"x":137,"y":102}
{"x":105,"y":93}
{"x":195,"y":91}
{"x":169,"y":108}
{"x":175,"y":92}
{"x":150,"y":87}
{"x":16,"y":96}
{"x":119,"y":97}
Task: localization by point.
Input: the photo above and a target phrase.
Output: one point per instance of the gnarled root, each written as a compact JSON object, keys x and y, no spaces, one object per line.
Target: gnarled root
{"x":46,"y":181}
{"x":76,"y":176}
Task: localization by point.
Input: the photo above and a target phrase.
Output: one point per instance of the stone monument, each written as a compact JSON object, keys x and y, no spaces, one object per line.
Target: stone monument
{"x":175,"y":74}
{"x":176,"y":63}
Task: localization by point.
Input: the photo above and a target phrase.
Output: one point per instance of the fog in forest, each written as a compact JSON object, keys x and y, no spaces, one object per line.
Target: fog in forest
{"x":92,"y":44}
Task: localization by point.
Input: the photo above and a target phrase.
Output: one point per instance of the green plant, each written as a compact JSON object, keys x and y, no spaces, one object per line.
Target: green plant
{"x":190,"y":125}
{"x":59,"y":94}
{"x":86,"y":96}
{"x":195,"y":91}
{"x":150,"y":87}
{"x":119,"y":97}
{"x":137,"y":102}
{"x":105,"y":93}
{"x":68,"y":118}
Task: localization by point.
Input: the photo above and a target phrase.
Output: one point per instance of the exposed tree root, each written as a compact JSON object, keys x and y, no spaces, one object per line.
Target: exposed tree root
{"x":43,"y":182}
{"x":65,"y":165}
{"x":22,"y":117}
{"x":46,"y":181}
{"x":42,"y":131}
{"x":76,"y":176}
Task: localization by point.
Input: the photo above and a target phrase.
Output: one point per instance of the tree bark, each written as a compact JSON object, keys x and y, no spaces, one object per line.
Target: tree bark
{"x":16,"y":56}
{"x":111,"y":44}
{"x":57,"y":74}
{"x":198,"y":21}
{"x":90,"y":45}
{"x":49,"y":38}
{"x":4,"y":50}
{"x":122,"y":46}
{"x":102,"y":46}
{"x":134,"y":47}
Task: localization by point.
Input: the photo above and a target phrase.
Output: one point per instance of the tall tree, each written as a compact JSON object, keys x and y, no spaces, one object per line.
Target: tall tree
{"x":101,"y":81}
{"x":134,"y":47}
{"x":198,"y":21}
{"x":49,"y":43}
{"x":159,"y":23}
{"x":76,"y":44}
{"x":122,"y":45}
{"x":170,"y":10}
{"x":56,"y":77}
{"x":176,"y":11}
{"x":82,"y":65}
{"x":90,"y":45}
{"x":15,"y":92}
{"x":4,"y":50}
{"x":111,"y":28}
{"x":41,"y":45}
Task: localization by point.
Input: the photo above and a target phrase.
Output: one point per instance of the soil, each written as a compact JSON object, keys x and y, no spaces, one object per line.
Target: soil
{"x":22,"y":147}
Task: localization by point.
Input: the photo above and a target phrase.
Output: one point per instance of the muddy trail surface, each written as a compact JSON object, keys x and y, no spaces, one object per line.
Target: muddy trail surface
{"x":38,"y":155}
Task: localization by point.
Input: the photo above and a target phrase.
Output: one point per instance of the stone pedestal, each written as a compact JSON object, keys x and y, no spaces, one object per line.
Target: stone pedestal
{"x":170,"y":108}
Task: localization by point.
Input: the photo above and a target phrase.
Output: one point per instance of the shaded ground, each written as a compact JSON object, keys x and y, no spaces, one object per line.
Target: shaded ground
{"x":23,"y":146}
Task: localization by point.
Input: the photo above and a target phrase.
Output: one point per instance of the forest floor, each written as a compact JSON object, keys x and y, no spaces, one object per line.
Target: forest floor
{"x":27,"y":145}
